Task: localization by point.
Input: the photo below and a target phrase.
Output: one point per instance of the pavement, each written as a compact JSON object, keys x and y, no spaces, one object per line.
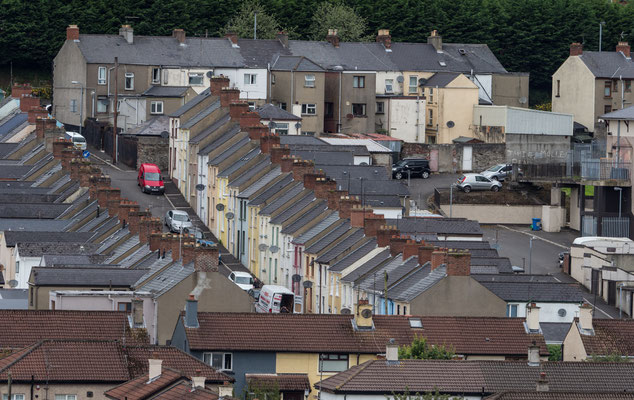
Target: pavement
{"x":421,"y":189}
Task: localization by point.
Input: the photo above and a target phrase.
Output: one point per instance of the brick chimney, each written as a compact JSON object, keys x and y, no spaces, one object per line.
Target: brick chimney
{"x":397,"y":243}
{"x":323,"y":186}
{"x":458,"y":263}
{"x":233,"y":38}
{"x":18,"y":90}
{"x":156,"y":239}
{"x":410,"y":249}
{"x":72,"y":32}
{"x":147,"y":226}
{"x":257,"y":131}
{"x":286,"y":163}
{"x":310,"y":179}
{"x":228,"y":96}
{"x":35,"y":113}
{"x":59,"y":145}
{"x":189,"y":250}
{"x":624,"y":48}
{"x":435,"y":40}
{"x":134,"y":220}
{"x":68,"y":154}
{"x":358,"y":213}
{"x":332,"y":37}
{"x":125,"y":208}
{"x":385,"y":38}
{"x":301,"y":168}
{"x":102,"y":196}
{"x":206,"y":259}
{"x":385,"y":233}
{"x":179,"y":34}
{"x":345,"y":205}
{"x":424,"y":253}
{"x":282,"y":36}
{"x":85,"y":172}
{"x":334,"y":198}
{"x":28,"y":102}
{"x":277,"y":152}
{"x":438,"y":258}
{"x":249,"y":118}
{"x":372,"y":224}
{"x":127,"y":33}
{"x":217,"y":83}
{"x":96,"y":182}
{"x":113,"y":199}
{"x":236,"y":109}
{"x":42,"y":125}
{"x":268,"y":141}
{"x":576,"y":49}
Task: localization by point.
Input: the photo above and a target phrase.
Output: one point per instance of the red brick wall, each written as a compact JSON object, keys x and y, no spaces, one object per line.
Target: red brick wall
{"x":385,"y":233}
{"x":228,"y":96}
{"x":438,"y":257}
{"x":410,"y":249}
{"x":323,"y":186}
{"x":206,"y":259}
{"x":458,"y":263}
{"x":277,"y":152}
{"x":236,"y":109}
{"x":249,"y":118}
{"x":424,"y":254}
{"x":310,"y":179}
{"x":397,"y":243}
{"x":372,"y":224}
{"x":345,"y":205}
{"x":217,"y":83}
{"x":256,"y":132}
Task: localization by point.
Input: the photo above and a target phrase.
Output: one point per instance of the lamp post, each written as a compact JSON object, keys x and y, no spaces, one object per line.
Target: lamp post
{"x":601,"y":33}
{"x":620,"y":190}
{"x":81,"y":104}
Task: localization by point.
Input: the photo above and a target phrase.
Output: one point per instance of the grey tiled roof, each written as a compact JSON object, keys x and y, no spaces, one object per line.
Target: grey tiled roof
{"x":154,"y":126}
{"x":217,"y":124}
{"x":295,"y":63}
{"x":460,"y":244}
{"x":368,"y":266}
{"x":441,"y":79}
{"x":115,"y":238}
{"x":96,"y":276}
{"x":626,"y":113}
{"x":316,"y":210}
{"x":608,"y":64}
{"x":166,"y":91}
{"x":317,"y":229}
{"x":270,"y":111}
{"x":516,"y":278}
{"x":354,"y":256}
{"x":272,"y":190}
{"x":191,"y":103}
{"x":14,"y":171}
{"x":264,"y":163}
{"x":536,"y":291}
{"x":124,"y":247}
{"x":40,"y":248}
{"x":554,"y":332}
{"x":136,"y":256}
{"x":325,"y":157}
{"x":396,"y":265}
{"x":322,"y":243}
{"x":201,"y":115}
{"x":13,"y":237}
{"x":342,"y":247}
{"x":231,"y":132}
{"x":294,"y":208}
{"x":355,"y":150}
{"x":300,"y":139}
{"x":97,"y":221}
{"x":342,"y":173}
{"x":72,"y":259}
{"x":418,"y":282}
{"x":380,"y":201}
{"x":229,"y":151}
{"x":6,"y":148}
{"x":152,"y":264}
{"x":372,"y":186}
{"x":502,"y":264}
{"x":239,"y":163}
{"x":260,"y":183}
{"x":437,"y":225}
{"x":14,"y":299}
{"x":168,"y":278}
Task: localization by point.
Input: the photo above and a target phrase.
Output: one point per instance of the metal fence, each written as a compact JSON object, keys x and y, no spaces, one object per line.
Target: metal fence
{"x":615,"y":226}
{"x":589,"y":226}
{"x":604,"y":169}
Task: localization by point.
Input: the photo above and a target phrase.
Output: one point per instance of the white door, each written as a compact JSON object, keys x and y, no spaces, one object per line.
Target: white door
{"x":467,"y":152}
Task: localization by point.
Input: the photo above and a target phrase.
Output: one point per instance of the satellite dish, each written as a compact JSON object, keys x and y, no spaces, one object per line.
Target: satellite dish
{"x":367,"y":313}
{"x":298,"y":125}
{"x":308,"y":284}
{"x":297,"y":278}
{"x":200,"y":187}
{"x":450,"y":124}
{"x":220,"y":207}
{"x":523,"y":100}
{"x":210,"y":74}
{"x":263,"y":247}
{"x":400,"y":79}
{"x":165,"y":134}
{"x":13,"y":283}
{"x":274,"y":249}
{"x":561,"y":312}
{"x":422,"y":82}
{"x":230,"y":215}
{"x":346,"y":311}
{"x":272,"y":125}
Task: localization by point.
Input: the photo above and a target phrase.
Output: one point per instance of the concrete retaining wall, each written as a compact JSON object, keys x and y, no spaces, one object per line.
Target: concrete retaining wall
{"x":494,"y":214}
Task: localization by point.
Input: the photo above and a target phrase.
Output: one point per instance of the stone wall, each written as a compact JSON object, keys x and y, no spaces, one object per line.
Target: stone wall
{"x":484,"y":155}
{"x":537,"y":149}
{"x":154,"y":150}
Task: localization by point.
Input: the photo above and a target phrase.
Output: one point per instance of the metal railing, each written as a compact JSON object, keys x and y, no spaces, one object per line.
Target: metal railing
{"x":615,"y":227}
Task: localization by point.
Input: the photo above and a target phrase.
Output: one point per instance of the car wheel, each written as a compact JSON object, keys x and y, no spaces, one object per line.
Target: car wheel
{"x":495,"y":178}
{"x":425,"y":175}
{"x":399,"y":175}
{"x":466,"y":189}
{"x":495,"y":188}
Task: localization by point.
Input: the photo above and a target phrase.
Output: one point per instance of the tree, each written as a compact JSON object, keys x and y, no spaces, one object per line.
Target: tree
{"x":350,"y":26}
{"x":243,"y":21}
{"x":555,"y":352}
{"x":612,"y":357}
{"x":421,"y":350}
{"x":426,"y":396}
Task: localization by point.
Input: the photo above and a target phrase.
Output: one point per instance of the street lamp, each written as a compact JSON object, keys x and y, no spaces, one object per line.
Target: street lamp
{"x":81,"y":105}
{"x":620,"y":190}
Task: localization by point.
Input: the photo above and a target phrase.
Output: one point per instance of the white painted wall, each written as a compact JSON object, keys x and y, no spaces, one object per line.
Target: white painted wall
{"x":406,"y":119}
{"x":201,"y":204}
{"x":360,"y":160}
{"x":247,"y":91}
{"x":292,"y":129}
{"x":132,"y":112}
{"x":381,"y":76}
{"x":180,"y":77}
{"x":485,"y":86}
{"x":522,"y":120}
{"x":549,"y":312}
{"x":389,"y":212}
{"x":25,"y":265}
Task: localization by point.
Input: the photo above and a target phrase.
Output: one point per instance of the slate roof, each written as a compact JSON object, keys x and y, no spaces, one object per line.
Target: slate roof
{"x":154,"y":126}
{"x":295,"y":63}
{"x":6,"y":148}
{"x":272,"y":190}
{"x":41,"y":248}
{"x":608,"y":64}
{"x":14,"y":171}
{"x":372,"y":146}
{"x":74,"y":361}
{"x":32,"y":225}
{"x":326,"y":240}
{"x":536,"y":291}
{"x":166,"y":91}
{"x":626,"y":113}
{"x":300,"y":139}
{"x":217,"y":124}
{"x":423,"y":56}
{"x":190,"y":123}
{"x":262,"y":182}
{"x":437,"y":225}
{"x":323,"y":146}
{"x":81,"y":276}
{"x":478,"y":377}
{"x":554,"y":332}
{"x":167,"y":278}
{"x":282,"y":382}
{"x":342,"y":247}
{"x":611,"y":336}
{"x":13,"y":237}
{"x":251,"y":172}
{"x":214,"y":144}
{"x":317,"y":229}
{"x":417,"y":283}
{"x":354,"y":256}
{"x":228,"y":152}
{"x":317,"y":208}
{"x":239,"y":163}
{"x":441,"y":79}
{"x":12,"y":123}
{"x":342,"y":173}
{"x":270,"y":111}
{"x":368,"y":266}
{"x":70,"y":259}
{"x":294,"y":208}
{"x":313,"y":333}
{"x":373,"y":187}
{"x":13,"y":299}
{"x":325,"y":157}
{"x":396,"y":271}
{"x":191,"y":103}
{"x":25,"y":327}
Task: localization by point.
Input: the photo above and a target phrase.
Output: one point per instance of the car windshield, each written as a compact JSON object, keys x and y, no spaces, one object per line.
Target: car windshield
{"x":181,"y":217}
{"x":495,"y":168}
{"x":152,"y":176}
{"x":400,"y":163}
{"x":79,"y":139}
{"x":244,"y":280}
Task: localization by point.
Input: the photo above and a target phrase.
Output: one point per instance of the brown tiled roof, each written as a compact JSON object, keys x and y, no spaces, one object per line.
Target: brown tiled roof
{"x":283,"y":382}
{"x":471,"y":377}
{"x":611,"y":336}
{"x":22,"y":328}
{"x":96,"y":361}
{"x":183,"y":390}
{"x":559,"y":396}
{"x":335,"y":333}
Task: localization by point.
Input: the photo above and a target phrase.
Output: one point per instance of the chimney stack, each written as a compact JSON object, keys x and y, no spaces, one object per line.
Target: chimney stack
{"x":332,"y":37}
{"x":458,"y":263}
{"x":533,"y":355}
{"x":334,"y":197}
{"x":267,"y":142}
{"x":345,"y":205}
{"x":72,"y":33}
{"x":323,"y":186}
{"x":624,"y":48}
{"x":576,"y":49}
{"x":585,"y":317}
{"x":198,"y":381}
{"x":249,"y":118}
{"x":424,"y":254}
{"x":179,"y":34}
{"x":532,"y":318}
{"x":233,"y":38}
{"x":28,"y":102}
{"x":542,"y":382}
{"x":127,"y":32}
{"x":257,"y":131}
{"x":206,"y":259}
{"x":217,"y":83}
{"x":277,"y":152}
{"x":36,"y":112}
{"x":410,"y":249}
{"x":18,"y":90}
{"x":310,"y":179}
{"x":229,"y":96}
{"x":397,"y":243}
{"x":385,"y":233}
{"x":156,"y":367}
{"x":363,"y":316}
{"x":435,"y":40}
{"x":385,"y":38}
{"x":391,"y":351}
{"x":236,"y":109}
{"x":191,"y":312}
{"x":282,"y":36}
{"x":438,"y":258}
{"x":302,"y":167}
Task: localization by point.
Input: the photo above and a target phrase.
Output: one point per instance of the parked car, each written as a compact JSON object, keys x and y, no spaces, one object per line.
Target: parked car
{"x":469,"y":182}
{"x":177,"y":220}
{"x":199,"y":235}
{"x":275,"y":299}
{"x":498,"y":172}
{"x":414,"y":167}
{"x":255,"y":293}
{"x":78,"y":140}
{"x":149,"y":179}
{"x":242,"y":279}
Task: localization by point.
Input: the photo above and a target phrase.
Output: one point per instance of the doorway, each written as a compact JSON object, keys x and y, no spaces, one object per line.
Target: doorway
{"x":467,"y":158}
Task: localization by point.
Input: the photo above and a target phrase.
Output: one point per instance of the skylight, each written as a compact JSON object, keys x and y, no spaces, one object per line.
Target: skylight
{"x":415,"y":323}
{"x":442,"y":63}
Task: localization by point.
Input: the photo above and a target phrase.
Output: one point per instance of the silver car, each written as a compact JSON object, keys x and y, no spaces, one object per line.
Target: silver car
{"x":177,"y":220}
{"x":469,"y":182}
{"x":498,"y":172}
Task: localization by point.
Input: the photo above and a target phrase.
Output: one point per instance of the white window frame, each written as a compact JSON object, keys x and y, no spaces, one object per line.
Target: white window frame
{"x":325,"y":358}
{"x":389,"y":86}
{"x":281,"y":128}
{"x":101,"y":76}
{"x":101,"y":102}
{"x":73,"y":105}
{"x":509,"y":307}
{"x":154,"y":107}
{"x":14,"y":396}
{"x":156,"y":76}
{"x":413,"y":88}
{"x":250,"y":79}
{"x":309,"y":109}
{"x":196,"y":76}
{"x":65,"y":397}
{"x":309,"y":80}
{"x":129,"y":78}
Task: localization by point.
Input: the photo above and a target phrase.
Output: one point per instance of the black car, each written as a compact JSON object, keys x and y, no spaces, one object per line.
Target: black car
{"x":414,"y":167}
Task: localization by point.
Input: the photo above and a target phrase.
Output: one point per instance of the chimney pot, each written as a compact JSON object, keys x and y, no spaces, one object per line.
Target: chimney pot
{"x":624,"y":48}
{"x":576,"y":49}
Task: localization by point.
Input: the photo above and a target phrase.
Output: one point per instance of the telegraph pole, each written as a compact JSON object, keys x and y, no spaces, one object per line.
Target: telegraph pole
{"x":385,"y":292}
{"x":116,"y":110}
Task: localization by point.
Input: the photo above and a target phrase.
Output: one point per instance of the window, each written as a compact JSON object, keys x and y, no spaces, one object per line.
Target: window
{"x":309,"y":109}
{"x":272,"y":79}
{"x":607,"y":91}
{"x":102,"y":105}
{"x":558,"y":87}
{"x":251,"y":105}
{"x":282,"y":106}
{"x":250,"y":79}
{"x":156,"y":76}
{"x":511,"y":310}
{"x":430,"y":120}
{"x":166,"y":76}
{"x":607,"y":108}
{"x":431,"y":95}
{"x":101,"y":76}
{"x":65,"y":397}
{"x":73,"y":105}
{"x":333,"y":362}
{"x":14,"y":396}
{"x":389,"y":86}
{"x":358,"y":81}
{"x":281,"y":128}
{"x":156,"y":107}
{"x":129,"y":81}
{"x":17,"y":267}
{"x":196,"y":78}
{"x":628,"y":85}
{"x":379,"y":107}
{"x":329,"y":109}
{"x":308,"y":133}
{"x":127,"y":307}
{"x":358,"y":110}
{"x":413,"y":84}
{"x":309,"y":80}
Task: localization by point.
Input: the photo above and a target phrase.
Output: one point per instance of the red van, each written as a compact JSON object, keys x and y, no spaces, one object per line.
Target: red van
{"x":150,"y":179}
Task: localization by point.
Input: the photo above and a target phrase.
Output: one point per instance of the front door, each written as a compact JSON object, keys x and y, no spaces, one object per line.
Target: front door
{"x":612,"y":293}
{"x":595,"y":282}
{"x":467,"y":161}
{"x":293,"y":395}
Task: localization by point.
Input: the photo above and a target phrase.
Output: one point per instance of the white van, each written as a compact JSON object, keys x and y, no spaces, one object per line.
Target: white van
{"x":78,"y":140}
{"x":275,"y":299}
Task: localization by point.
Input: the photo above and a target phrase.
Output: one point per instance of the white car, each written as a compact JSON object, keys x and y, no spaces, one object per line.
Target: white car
{"x":177,"y":221}
{"x":243,"y":279}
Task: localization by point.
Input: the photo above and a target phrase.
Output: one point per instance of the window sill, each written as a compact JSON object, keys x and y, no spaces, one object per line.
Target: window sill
{"x":359,"y":116}
{"x":557,"y":96}
{"x":380,"y":113}
{"x":156,"y":113}
{"x":309,"y":87}
{"x":309,"y":115}
{"x":101,"y":83}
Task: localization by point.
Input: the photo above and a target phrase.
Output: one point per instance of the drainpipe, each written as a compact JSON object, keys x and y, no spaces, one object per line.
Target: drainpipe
{"x":155,"y":323}
{"x":339,"y":113}
{"x":292,"y":90}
